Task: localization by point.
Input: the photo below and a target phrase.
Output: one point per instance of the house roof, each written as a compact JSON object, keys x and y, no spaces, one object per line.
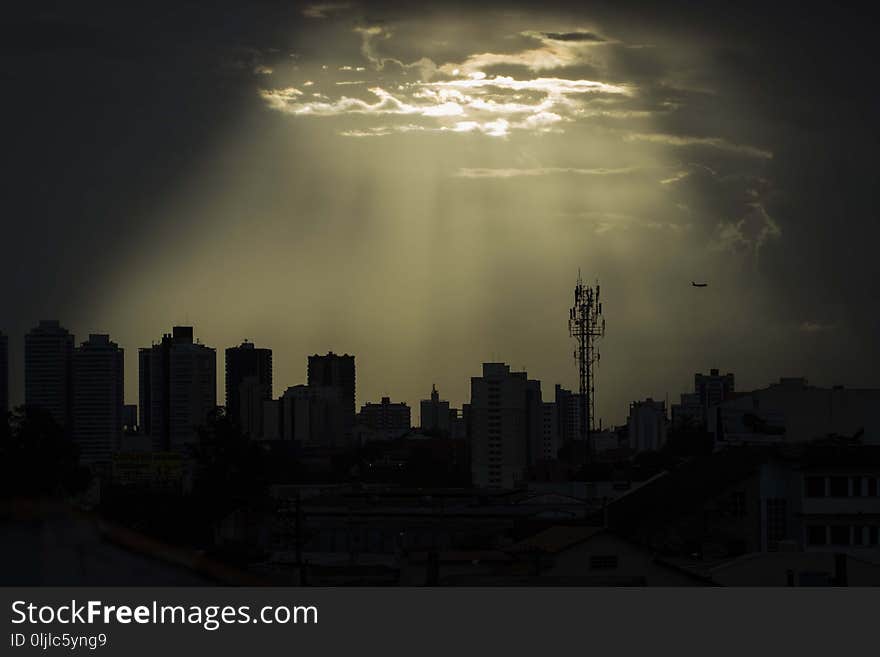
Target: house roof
{"x":555,"y":539}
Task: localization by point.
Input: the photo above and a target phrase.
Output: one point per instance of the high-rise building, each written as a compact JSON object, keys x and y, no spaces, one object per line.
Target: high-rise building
{"x":246,"y":362}
{"x":388,"y":420}
{"x":252,"y":395}
{"x":145,"y":390}
{"x":534,"y":422}
{"x":646,"y":425}
{"x":709,"y":390}
{"x":434,"y":414}
{"x":713,"y":388}
{"x":98,"y":398}
{"x":178,"y":379}
{"x":333,"y":370}
{"x":549,"y":448}
{"x":568,"y":415}
{"x":48,"y":371}
{"x":499,"y":426}
{"x":311,"y":416}
{"x":4,"y":374}
{"x":130,"y":418}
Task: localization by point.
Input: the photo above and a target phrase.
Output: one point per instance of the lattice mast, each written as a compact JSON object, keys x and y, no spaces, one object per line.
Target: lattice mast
{"x":586,"y":325}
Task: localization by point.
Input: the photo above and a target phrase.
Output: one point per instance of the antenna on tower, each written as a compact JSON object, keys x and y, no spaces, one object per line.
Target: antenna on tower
{"x":586,"y":325}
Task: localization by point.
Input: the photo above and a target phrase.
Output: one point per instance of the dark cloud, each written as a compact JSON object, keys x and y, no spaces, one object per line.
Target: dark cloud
{"x":112,"y":110}
{"x":574,"y":36}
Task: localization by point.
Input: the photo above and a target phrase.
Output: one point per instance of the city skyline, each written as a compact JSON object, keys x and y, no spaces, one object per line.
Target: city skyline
{"x":436,"y":222}
{"x":132,"y":389}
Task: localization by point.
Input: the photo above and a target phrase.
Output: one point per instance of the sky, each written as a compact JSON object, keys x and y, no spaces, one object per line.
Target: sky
{"x":419,"y":185}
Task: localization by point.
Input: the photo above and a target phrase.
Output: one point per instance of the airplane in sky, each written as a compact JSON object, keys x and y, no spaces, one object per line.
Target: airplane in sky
{"x":699,"y":284}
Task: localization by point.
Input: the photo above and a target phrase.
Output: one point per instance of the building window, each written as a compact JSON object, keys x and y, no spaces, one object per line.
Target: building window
{"x":838,"y":486}
{"x":840,"y":535}
{"x":872,"y":535}
{"x":872,"y":487}
{"x":815,"y":486}
{"x":816,"y":535}
{"x":603,"y":562}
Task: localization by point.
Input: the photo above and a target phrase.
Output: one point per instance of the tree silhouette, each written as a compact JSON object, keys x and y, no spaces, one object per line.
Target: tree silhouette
{"x":36,"y":458}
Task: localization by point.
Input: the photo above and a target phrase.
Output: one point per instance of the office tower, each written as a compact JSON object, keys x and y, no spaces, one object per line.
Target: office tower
{"x":647,"y":425}
{"x":98,"y":375}
{"x":388,"y":420}
{"x":178,"y":379}
{"x":48,"y":371}
{"x":247,"y":362}
{"x":434,"y":414}
{"x":498,"y":417}
{"x":337,"y":371}
{"x":4,"y":375}
{"x":311,"y":416}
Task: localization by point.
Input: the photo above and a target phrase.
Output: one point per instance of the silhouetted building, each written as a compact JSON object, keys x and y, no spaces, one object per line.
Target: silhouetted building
{"x":689,"y":412}
{"x":145,"y":390}
{"x":98,"y":398}
{"x":178,"y":379}
{"x":337,"y":371}
{"x":713,"y":388}
{"x":792,"y":411}
{"x":272,"y":420}
{"x":568,"y":414}
{"x":247,"y":362}
{"x":709,"y":390}
{"x":499,"y":427}
{"x":252,"y":394}
{"x":130,"y":418}
{"x":647,"y":425}
{"x":434,"y":414}
{"x":387,"y":420}
{"x":549,"y":432}
{"x":4,"y":374}
{"x":48,"y":371}
{"x":310,"y":415}
{"x":534,"y":422}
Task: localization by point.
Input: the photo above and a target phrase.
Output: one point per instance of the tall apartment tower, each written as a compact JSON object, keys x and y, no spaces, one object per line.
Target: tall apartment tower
{"x":647,"y":425}
{"x":178,"y":389}
{"x":499,"y":426}
{"x":247,"y":362}
{"x":4,"y":374}
{"x":98,"y":398}
{"x":387,"y":419}
{"x":434,"y":414}
{"x":310,"y":415}
{"x":333,"y":370}
{"x":48,"y":371}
